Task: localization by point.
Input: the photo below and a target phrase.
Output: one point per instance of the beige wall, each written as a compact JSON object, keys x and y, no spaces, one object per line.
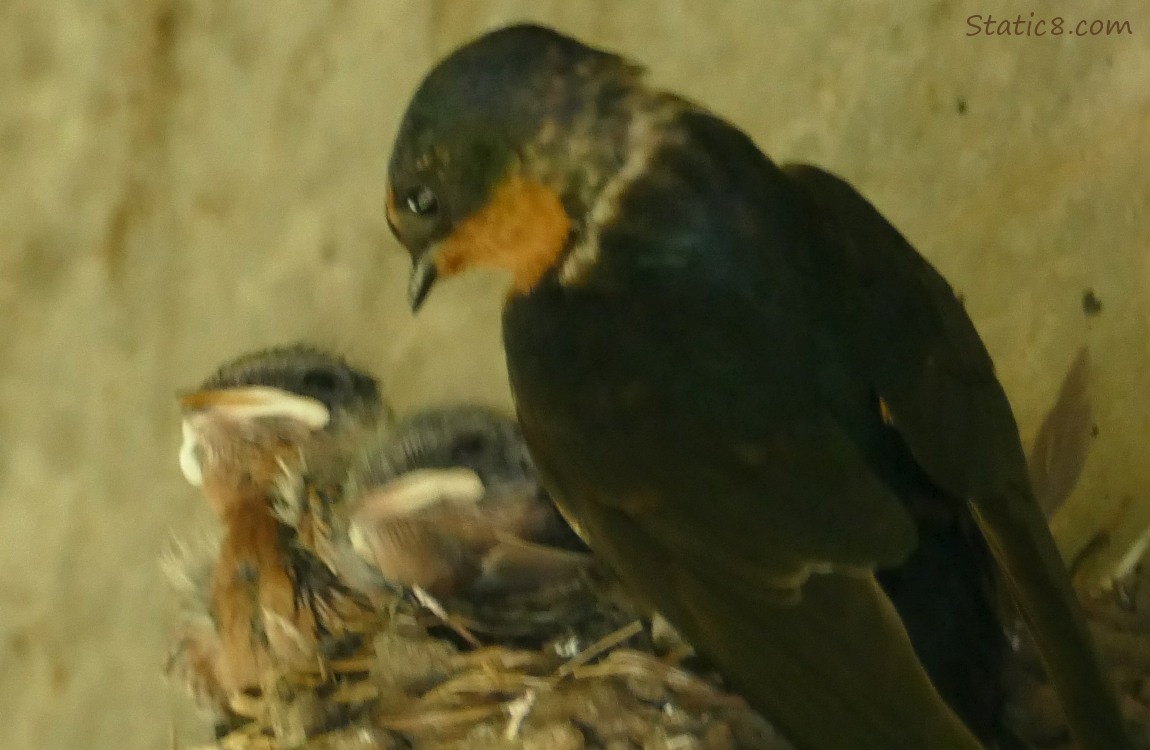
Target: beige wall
{"x":181,"y":181}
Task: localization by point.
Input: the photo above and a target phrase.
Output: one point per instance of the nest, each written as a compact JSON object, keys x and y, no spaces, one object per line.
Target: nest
{"x":450,"y":681}
{"x":427,"y":681}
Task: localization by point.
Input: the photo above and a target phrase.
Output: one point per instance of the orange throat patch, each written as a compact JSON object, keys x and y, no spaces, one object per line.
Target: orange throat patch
{"x":522,"y":229}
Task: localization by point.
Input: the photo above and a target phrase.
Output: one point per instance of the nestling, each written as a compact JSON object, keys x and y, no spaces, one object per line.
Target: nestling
{"x":274,"y":599}
{"x":449,"y":504}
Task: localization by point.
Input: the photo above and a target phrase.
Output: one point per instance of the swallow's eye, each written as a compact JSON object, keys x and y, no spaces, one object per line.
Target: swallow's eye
{"x":422,"y":201}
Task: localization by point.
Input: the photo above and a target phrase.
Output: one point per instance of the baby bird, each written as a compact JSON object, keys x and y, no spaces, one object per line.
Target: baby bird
{"x":449,"y":505}
{"x":274,"y":598}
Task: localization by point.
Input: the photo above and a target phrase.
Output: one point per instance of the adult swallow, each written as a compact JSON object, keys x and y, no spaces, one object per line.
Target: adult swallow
{"x":760,"y":404}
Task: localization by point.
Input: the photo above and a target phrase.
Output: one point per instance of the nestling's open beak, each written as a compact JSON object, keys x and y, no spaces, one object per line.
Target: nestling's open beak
{"x":423,"y":275}
{"x":247,"y":403}
{"x":238,"y":405}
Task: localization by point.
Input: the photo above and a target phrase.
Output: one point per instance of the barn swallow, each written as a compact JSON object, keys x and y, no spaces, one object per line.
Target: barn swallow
{"x":274,"y":600}
{"x":449,"y":504}
{"x":767,"y":412}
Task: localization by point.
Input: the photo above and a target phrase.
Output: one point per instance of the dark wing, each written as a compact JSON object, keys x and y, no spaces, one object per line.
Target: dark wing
{"x":744,"y":473}
{"x":830,"y":667}
{"x":913,"y":339}
{"x":945,"y":401}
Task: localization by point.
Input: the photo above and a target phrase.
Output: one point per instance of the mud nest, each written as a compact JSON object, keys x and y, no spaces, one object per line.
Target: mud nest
{"x":592,"y":675}
{"x":585,"y":674}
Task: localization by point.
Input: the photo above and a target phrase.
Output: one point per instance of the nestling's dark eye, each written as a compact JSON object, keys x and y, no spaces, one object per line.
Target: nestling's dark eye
{"x":468,"y":450}
{"x":422,"y":201}
{"x":321,"y":381}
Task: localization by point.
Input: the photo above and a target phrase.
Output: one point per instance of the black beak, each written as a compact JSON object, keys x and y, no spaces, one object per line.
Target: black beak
{"x":423,"y":275}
